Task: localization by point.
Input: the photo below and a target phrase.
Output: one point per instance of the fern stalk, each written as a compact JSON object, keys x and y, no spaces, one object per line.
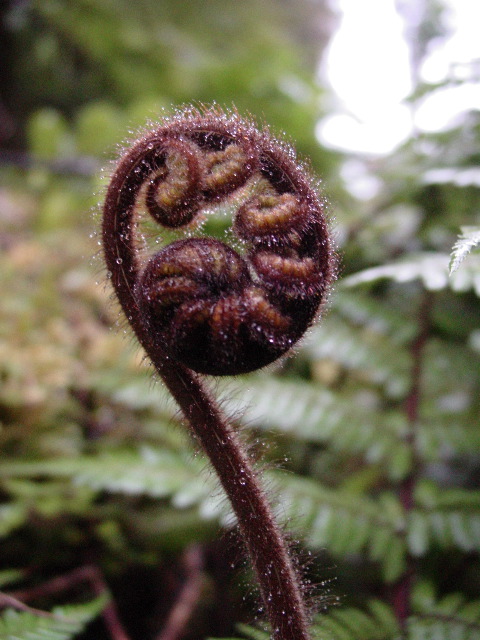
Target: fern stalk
{"x":195,"y":308}
{"x":402,"y":590}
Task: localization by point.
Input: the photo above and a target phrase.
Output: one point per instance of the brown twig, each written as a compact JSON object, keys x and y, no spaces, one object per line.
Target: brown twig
{"x":188,"y":597}
{"x":402,"y":589}
{"x":88,"y":573}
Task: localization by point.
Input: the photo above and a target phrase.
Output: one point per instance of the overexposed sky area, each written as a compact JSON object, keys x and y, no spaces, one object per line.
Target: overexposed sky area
{"x":368,"y":67}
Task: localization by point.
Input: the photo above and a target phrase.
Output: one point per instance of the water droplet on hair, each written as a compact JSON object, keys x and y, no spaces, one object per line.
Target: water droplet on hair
{"x":119,"y":260}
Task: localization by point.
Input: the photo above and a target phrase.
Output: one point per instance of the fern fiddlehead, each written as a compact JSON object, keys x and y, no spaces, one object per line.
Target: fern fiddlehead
{"x":199,"y":306}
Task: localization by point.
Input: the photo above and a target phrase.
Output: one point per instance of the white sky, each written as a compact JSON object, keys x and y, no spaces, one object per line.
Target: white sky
{"x":368,"y":68}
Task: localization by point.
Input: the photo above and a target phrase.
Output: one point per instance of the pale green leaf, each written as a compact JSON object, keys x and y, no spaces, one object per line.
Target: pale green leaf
{"x":432,"y":269}
{"x":11,"y":516}
{"x":64,"y":622}
{"x":469,"y":239}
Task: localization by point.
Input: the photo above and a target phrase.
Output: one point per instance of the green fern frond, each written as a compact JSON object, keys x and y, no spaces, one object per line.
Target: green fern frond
{"x":157,"y":473}
{"x":311,"y":413}
{"x":447,"y":517}
{"x":349,"y":623}
{"x":9,"y":576}
{"x":139,"y":394}
{"x":136,"y":390}
{"x":449,"y":369}
{"x":343,"y":523}
{"x":378,"y":623}
{"x":362,"y":310}
{"x":469,"y":238}
{"x":451,"y":617}
{"x":437,"y":627}
{"x":63,"y":623}
{"x":304,"y":410}
{"x":436,"y":437}
{"x":252,"y":633}
{"x":248,"y":632}
{"x":361,"y":351}
{"x":354,"y":624}
{"x":11,"y":516}
{"x":432,"y":269}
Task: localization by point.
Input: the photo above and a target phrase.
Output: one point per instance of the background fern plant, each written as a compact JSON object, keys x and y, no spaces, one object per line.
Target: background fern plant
{"x":370,"y":432}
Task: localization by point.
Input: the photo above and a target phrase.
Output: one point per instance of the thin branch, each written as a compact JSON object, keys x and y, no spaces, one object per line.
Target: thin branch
{"x":188,"y":596}
{"x":402,"y":589}
{"x":89,"y":574}
{"x":9,"y":601}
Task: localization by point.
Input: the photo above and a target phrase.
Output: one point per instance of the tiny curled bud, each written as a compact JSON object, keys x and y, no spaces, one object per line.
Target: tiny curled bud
{"x":215,"y":308}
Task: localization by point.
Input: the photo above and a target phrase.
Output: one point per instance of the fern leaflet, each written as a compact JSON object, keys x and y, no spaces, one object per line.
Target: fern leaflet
{"x":469,"y":239}
{"x":63,"y":623}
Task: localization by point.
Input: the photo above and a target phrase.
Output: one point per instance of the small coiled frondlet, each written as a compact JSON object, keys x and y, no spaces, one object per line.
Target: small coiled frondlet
{"x":218,"y":309}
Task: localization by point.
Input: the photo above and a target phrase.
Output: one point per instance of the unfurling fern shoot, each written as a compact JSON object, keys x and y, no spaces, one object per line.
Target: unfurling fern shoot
{"x":201,"y":306}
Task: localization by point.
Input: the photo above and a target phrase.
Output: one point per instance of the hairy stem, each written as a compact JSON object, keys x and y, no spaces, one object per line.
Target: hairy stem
{"x":197,"y":309}
{"x":266,"y":546}
{"x":279,"y":583}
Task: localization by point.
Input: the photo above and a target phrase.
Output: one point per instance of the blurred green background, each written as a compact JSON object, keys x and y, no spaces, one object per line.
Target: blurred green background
{"x":370,"y":432}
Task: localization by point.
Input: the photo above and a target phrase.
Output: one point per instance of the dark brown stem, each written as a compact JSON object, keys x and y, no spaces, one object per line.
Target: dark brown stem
{"x":266,"y":546}
{"x":402,"y":590}
{"x":276,"y":575}
{"x":196,"y":307}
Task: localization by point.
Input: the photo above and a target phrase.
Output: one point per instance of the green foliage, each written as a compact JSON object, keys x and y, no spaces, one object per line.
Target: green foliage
{"x":63,"y":623}
{"x":347,"y":623}
{"x":378,"y":623}
{"x":449,"y":518}
{"x":373,"y":422}
{"x":469,"y":239}
{"x":431,"y":269}
{"x":11,"y":517}
{"x":346,"y":523}
{"x":450,"y":617}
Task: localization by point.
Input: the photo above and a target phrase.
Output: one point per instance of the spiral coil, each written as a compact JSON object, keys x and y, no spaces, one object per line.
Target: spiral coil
{"x":216,"y":309}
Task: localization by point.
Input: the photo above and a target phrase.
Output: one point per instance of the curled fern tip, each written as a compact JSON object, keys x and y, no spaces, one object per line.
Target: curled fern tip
{"x":218,"y":309}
